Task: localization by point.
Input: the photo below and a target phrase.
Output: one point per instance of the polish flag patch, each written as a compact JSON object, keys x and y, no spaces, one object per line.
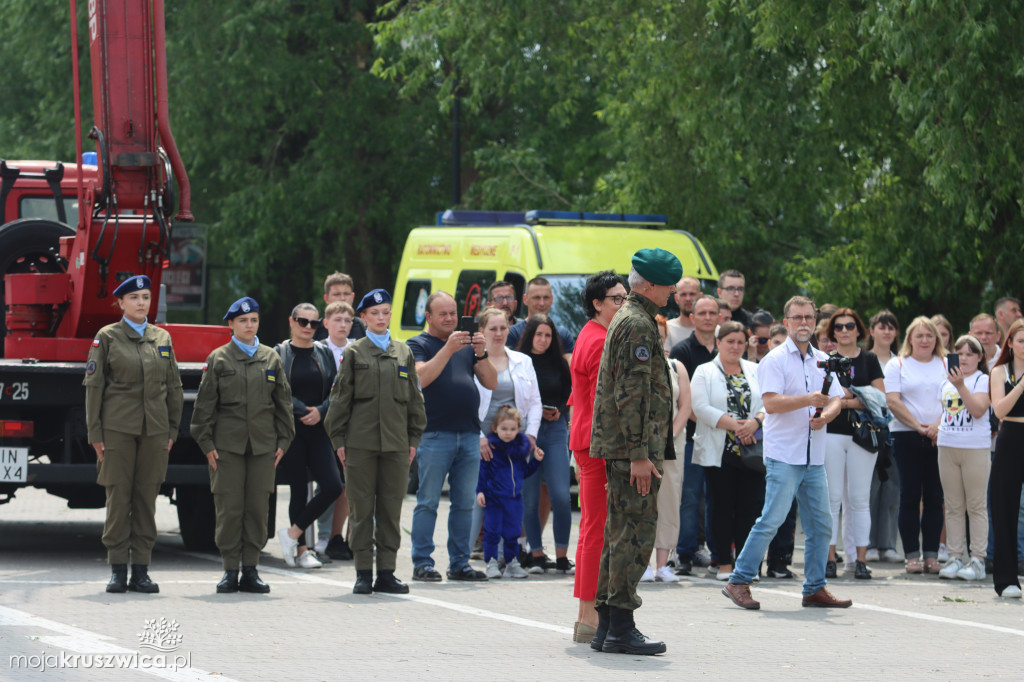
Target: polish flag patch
{"x":205,"y":366}
{"x":95,"y":343}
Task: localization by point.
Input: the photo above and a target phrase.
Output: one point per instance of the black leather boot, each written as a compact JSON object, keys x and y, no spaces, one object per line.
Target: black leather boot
{"x":602,"y":628}
{"x":364,"y":582}
{"x":141,"y":582}
{"x":624,"y":638}
{"x":229,"y":583}
{"x":118,"y":578}
{"x":251,"y":582}
{"x":387,"y":582}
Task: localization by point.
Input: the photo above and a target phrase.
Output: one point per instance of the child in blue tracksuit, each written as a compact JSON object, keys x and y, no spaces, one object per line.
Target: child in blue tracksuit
{"x":499,"y":491}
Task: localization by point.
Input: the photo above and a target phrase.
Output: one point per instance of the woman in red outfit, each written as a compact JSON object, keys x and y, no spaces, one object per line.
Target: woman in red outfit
{"x":603,"y":295}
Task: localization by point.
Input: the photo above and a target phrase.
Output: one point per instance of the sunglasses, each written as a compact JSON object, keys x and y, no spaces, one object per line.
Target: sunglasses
{"x":761,"y":340}
{"x":303,"y":322}
{"x":847,"y":326}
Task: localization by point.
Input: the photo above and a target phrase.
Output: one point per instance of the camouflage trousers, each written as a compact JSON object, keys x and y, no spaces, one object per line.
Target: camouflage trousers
{"x":628,"y":537}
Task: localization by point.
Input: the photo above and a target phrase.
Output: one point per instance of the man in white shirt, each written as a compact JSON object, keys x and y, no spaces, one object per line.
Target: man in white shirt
{"x":794,"y":450}
{"x":687,"y":291}
{"x":1007,"y":312}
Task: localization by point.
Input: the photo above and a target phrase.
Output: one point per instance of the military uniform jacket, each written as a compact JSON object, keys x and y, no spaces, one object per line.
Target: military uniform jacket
{"x":242,"y":401}
{"x":633,"y":399}
{"x":376,"y":403}
{"x":132,"y":383}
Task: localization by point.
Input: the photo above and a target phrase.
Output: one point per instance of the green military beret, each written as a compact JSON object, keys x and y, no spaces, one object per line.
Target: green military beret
{"x":657,"y":266}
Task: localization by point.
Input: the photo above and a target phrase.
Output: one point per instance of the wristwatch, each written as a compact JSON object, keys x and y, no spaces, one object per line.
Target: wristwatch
{"x":759,"y":422}
{"x":478,"y":358}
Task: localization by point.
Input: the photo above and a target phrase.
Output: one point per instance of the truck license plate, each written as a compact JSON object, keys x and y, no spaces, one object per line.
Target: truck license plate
{"x":13,"y":465}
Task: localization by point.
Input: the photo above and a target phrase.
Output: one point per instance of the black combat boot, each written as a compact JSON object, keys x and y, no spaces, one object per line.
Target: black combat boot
{"x":141,"y":582}
{"x":118,"y":578}
{"x":229,"y":583}
{"x":602,"y":628}
{"x":624,"y":638}
{"x":387,"y":582}
{"x":364,"y":582}
{"x":251,"y":582}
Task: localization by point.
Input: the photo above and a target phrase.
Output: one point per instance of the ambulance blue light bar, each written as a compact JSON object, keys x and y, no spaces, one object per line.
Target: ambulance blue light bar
{"x":454,"y":218}
{"x":577,"y":217}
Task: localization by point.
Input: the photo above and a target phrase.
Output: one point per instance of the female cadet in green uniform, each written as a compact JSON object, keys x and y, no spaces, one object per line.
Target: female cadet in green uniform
{"x":133,"y":402}
{"x":375,"y":422}
{"x":242,"y":420}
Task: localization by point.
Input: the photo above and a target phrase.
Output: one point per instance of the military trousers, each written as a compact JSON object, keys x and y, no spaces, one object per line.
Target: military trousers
{"x":241,"y":487}
{"x":375,"y":484}
{"x":629,"y":534}
{"x":132,"y":470}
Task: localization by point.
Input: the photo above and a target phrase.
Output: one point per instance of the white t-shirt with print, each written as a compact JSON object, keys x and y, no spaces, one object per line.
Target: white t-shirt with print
{"x":918,"y":384}
{"x":958,"y":428}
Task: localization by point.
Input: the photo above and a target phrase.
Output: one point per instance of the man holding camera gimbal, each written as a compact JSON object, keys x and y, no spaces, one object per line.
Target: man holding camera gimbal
{"x":799,"y":402}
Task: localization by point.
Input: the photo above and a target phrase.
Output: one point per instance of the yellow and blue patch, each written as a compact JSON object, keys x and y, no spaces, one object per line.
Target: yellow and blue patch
{"x":165,"y":351}
{"x":403,"y":372}
{"x":272,"y":376}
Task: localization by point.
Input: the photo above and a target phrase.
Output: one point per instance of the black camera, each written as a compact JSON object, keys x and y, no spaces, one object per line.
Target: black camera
{"x":838,"y":365}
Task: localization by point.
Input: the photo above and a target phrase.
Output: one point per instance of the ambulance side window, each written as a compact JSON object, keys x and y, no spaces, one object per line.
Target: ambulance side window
{"x":414,"y":305}
{"x":471,"y":291}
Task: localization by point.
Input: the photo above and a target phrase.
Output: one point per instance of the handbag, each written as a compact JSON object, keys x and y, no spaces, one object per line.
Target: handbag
{"x":752,"y":456}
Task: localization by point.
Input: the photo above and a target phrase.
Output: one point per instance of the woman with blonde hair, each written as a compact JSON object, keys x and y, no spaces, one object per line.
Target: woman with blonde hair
{"x":912,"y":380}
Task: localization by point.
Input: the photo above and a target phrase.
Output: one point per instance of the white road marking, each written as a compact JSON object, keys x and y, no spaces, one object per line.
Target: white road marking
{"x":86,"y":642}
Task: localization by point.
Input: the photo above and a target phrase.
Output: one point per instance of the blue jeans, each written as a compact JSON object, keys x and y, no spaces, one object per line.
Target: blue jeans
{"x":689,"y":508}
{"x":457,"y":456}
{"x":783,"y":482}
{"x":553,"y":439}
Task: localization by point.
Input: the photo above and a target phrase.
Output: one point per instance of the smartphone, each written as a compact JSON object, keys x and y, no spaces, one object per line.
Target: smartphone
{"x":952,"y":360}
{"x":548,"y":407}
{"x":467,"y":323}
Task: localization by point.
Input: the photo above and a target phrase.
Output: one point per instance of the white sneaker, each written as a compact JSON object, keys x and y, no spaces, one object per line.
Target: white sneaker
{"x":492,"y":571}
{"x":665,"y":575}
{"x":892,"y":556}
{"x":1011,"y":592}
{"x":308,"y":560}
{"x":321,"y":546}
{"x":702,"y":557}
{"x":943,"y":552}
{"x":952,"y":569}
{"x":648,"y":576}
{"x":721,"y":575}
{"x":975,"y":570}
{"x":515,"y":570}
{"x":288,"y":546}
{"x":872,"y":555}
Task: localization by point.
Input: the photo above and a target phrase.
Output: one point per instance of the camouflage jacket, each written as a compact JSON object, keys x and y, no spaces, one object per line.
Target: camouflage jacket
{"x":633,"y":400}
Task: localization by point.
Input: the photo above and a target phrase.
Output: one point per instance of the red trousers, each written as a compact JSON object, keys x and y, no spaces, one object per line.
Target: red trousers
{"x":593,"y":513}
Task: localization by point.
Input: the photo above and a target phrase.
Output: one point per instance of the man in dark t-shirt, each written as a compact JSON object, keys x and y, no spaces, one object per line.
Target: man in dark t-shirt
{"x":692,"y":351}
{"x":446,"y":362}
{"x":538,"y":299}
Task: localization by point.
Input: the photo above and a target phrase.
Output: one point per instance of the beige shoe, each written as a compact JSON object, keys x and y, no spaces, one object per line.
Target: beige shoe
{"x":583,"y":633}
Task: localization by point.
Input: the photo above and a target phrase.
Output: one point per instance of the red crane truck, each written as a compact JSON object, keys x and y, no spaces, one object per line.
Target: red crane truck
{"x":69,"y":234}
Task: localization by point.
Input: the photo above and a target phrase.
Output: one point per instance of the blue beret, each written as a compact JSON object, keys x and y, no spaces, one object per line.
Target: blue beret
{"x":241,"y":307}
{"x":136,"y":283}
{"x":658,"y":266}
{"x":372,"y":298}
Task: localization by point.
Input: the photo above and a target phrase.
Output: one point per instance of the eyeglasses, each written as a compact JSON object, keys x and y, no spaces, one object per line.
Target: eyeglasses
{"x":734,"y":290}
{"x":303,"y":322}
{"x":848,"y":326}
{"x":617,"y":299}
{"x":503,"y":299}
{"x":802,"y":318}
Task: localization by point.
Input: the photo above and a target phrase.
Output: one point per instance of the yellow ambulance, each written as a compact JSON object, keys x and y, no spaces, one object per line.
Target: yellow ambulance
{"x":468,"y":250}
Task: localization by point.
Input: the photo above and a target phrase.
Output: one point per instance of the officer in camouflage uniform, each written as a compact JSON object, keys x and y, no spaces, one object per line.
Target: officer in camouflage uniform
{"x":632,"y":432}
{"x":133,"y":401}
{"x":243,"y":421}
{"x":375,"y":422}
